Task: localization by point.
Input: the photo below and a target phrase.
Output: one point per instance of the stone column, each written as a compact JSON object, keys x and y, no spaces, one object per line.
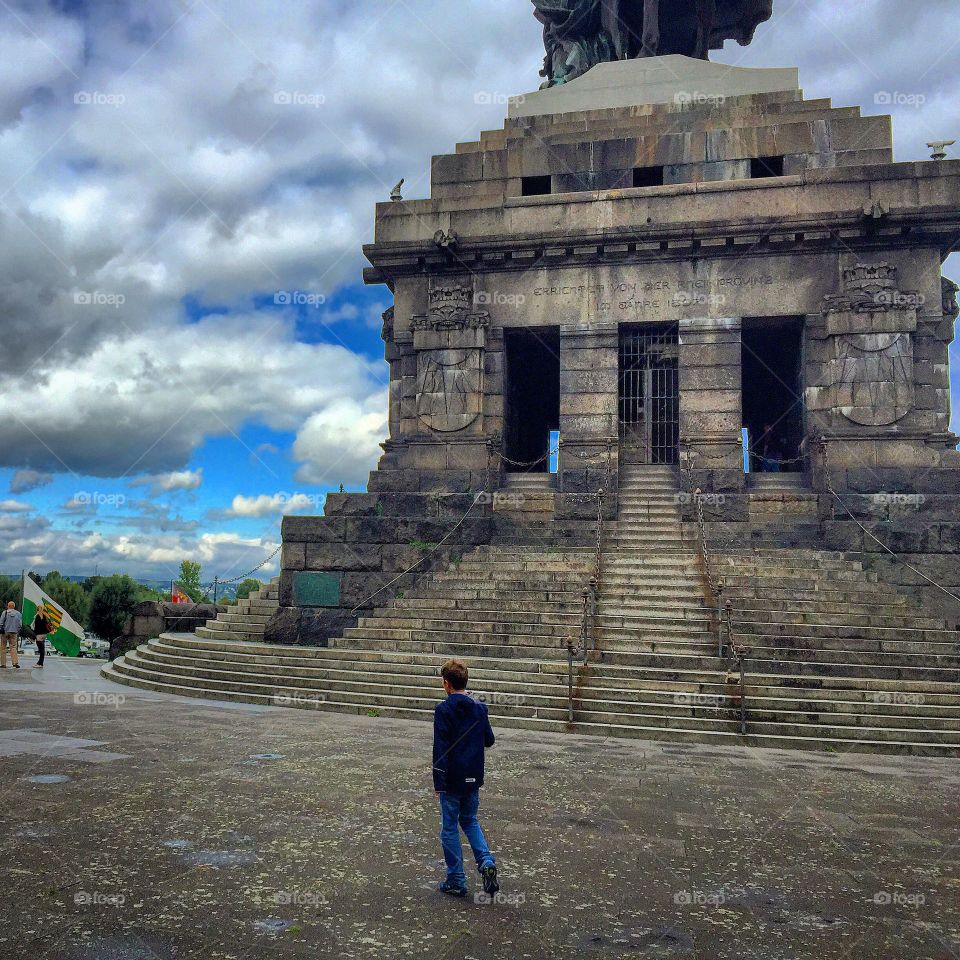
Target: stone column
{"x":711,"y":404}
{"x":589,"y":362}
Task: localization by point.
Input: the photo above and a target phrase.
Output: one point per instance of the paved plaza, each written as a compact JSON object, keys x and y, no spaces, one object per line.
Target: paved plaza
{"x":143,"y":827}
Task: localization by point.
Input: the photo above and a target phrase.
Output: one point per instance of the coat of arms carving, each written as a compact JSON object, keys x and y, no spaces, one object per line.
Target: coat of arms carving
{"x":450,"y":342}
{"x":871,"y":324}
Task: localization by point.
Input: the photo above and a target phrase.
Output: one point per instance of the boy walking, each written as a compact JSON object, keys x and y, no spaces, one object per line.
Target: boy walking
{"x":10,"y":623}
{"x":461,"y":734}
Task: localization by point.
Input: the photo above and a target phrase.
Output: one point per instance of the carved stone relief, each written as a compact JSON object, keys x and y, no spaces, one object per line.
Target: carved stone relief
{"x":871,"y":325}
{"x":450,"y":342}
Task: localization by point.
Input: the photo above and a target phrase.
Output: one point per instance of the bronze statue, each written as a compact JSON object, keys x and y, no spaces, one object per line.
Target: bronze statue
{"x":578,"y":34}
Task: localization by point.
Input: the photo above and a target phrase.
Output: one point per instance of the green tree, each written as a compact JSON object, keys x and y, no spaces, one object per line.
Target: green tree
{"x":247,"y":587}
{"x":189,"y":580}
{"x":111,"y":603}
{"x":71,"y":596}
{"x":9,"y":590}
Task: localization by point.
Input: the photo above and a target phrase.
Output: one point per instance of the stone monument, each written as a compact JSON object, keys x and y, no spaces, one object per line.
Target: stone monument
{"x":661,"y":261}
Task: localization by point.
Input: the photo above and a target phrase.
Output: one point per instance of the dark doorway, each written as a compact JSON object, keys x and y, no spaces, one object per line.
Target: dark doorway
{"x":531,"y":397}
{"x":773,"y":413}
{"x":649,"y":399}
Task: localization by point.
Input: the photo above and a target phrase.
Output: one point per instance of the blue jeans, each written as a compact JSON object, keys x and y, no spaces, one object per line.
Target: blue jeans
{"x":460,"y":813}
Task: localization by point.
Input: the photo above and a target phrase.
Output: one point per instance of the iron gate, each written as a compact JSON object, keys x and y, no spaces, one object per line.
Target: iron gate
{"x":649,"y":393}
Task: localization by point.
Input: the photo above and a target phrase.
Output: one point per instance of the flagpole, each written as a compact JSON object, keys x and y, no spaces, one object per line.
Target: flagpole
{"x":23,"y":601}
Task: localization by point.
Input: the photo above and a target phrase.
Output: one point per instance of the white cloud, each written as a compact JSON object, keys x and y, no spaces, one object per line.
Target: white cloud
{"x":275,"y":504}
{"x":341,"y":443}
{"x":14,"y":506}
{"x":132,"y":406}
{"x":171,"y":482}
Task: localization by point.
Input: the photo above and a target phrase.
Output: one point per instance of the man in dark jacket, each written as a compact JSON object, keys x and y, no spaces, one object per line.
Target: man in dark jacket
{"x":461,"y":734}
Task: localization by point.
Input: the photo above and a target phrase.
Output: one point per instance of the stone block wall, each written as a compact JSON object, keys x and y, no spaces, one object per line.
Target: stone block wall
{"x":711,"y":416}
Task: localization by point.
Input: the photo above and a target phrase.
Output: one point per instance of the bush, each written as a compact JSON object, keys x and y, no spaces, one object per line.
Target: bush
{"x":111,"y":603}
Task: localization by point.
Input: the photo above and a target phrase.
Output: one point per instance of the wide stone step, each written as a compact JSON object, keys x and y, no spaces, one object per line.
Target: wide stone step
{"x":235,"y":618}
{"x":571,"y":595}
{"x":870,"y":595}
{"x":802,"y":581}
{"x":666,"y":616}
{"x":852,"y":695}
{"x":880,"y":605}
{"x":838,"y":614}
{"x":338,"y":663}
{"x":784,"y":629}
{"x":543,"y":700}
{"x":670,"y":682}
{"x":226,"y":632}
{"x":590,"y":721}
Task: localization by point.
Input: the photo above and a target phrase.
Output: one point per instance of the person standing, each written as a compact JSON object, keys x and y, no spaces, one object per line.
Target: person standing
{"x":461,"y":734}
{"x":11,"y":620}
{"x":41,"y":629}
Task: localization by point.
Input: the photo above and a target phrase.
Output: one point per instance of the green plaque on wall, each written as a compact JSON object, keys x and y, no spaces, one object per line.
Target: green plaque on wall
{"x":316,"y":589}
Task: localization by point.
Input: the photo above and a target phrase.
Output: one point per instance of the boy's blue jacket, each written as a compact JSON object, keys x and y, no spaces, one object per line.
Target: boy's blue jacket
{"x":461,"y":733}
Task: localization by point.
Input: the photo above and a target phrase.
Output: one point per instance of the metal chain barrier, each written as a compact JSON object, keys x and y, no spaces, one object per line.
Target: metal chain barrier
{"x":728,"y":647}
{"x":533,"y":463}
{"x":250,"y":573}
{"x":829,"y":482}
{"x":590,"y":594}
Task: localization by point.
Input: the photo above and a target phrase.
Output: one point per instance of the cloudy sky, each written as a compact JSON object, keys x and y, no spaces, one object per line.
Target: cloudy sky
{"x":185,"y":185}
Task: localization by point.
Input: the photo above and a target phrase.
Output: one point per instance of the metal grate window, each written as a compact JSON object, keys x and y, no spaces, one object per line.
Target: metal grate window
{"x":649,"y":392}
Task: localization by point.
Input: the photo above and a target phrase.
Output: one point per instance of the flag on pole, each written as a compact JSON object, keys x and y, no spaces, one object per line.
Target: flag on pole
{"x":178,"y":596}
{"x":66,"y":634}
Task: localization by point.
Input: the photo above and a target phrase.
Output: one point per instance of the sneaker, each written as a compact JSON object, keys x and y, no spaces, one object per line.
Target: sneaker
{"x":16,"y":666}
{"x":452,"y":890}
{"x":491,"y":885}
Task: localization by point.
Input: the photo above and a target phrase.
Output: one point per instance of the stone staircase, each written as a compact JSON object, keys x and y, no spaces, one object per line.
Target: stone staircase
{"x":248,"y":619}
{"x":837,"y":660}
